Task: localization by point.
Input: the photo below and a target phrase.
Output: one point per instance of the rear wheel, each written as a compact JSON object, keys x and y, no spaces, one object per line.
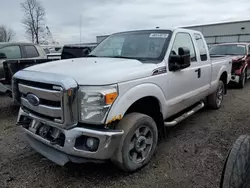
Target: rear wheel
{"x":138,"y":143}
{"x":215,"y":100}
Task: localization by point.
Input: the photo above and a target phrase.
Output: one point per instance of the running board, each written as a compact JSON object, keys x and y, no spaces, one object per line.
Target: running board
{"x":185,"y":115}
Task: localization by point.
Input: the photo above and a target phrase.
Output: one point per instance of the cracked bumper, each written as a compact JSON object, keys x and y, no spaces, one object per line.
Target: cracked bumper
{"x":235,"y":79}
{"x":108,"y":142}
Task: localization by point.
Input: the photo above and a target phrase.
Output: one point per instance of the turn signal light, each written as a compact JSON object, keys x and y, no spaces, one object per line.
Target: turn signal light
{"x":110,"y":98}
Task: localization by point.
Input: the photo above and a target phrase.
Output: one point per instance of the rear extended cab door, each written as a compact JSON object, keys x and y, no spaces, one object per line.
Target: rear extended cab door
{"x":187,"y":86}
{"x":203,"y":65}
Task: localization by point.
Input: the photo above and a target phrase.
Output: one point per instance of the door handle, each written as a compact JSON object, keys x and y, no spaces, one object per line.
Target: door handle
{"x":199,"y":72}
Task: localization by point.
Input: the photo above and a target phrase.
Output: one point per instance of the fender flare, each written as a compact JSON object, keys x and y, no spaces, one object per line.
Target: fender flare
{"x":127,"y":99}
{"x":224,"y":69}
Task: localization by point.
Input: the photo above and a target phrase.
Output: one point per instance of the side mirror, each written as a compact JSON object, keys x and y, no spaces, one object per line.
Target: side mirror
{"x":3,"y":56}
{"x":181,"y":61}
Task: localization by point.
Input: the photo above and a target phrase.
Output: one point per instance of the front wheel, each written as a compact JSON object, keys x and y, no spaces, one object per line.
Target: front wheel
{"x":215,"y":100}
{"x":243,"y":78}
{"x":138,"y":142}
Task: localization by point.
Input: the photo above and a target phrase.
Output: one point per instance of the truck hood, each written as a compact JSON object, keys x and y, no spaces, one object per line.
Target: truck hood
{"x":97,"y":71}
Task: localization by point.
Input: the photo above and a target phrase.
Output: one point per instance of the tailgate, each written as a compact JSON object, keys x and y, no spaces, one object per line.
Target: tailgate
{"x":12,"y":66}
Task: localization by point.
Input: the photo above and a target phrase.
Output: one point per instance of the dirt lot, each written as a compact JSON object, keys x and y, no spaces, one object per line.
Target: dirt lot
{"x":191,"y":156}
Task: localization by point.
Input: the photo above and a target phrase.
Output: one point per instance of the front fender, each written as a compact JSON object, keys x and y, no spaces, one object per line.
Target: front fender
{"x":128,"y":97}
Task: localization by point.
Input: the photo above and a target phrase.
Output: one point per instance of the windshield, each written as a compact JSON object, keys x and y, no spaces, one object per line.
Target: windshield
{"x":229,"y":49}
{"x":141,"y":45}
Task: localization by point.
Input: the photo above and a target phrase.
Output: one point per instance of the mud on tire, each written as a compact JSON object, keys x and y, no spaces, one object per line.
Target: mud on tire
{"x":138,"y":143}
{"x":215,"y":100}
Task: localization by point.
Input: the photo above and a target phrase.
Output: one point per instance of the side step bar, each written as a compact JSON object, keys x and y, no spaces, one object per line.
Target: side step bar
{"x":185,"y":115}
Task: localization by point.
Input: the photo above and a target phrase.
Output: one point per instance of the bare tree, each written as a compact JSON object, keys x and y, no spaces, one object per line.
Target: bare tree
{"x":33,"y":21}
{"x":6,"y":34}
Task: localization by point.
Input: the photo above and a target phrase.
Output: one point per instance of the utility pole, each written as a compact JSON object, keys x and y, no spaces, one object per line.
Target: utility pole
{"x":80,"y":29}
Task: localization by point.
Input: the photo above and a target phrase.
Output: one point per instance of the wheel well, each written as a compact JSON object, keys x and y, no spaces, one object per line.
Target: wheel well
{"x":151,"y":107}
{"x":223,"y":78}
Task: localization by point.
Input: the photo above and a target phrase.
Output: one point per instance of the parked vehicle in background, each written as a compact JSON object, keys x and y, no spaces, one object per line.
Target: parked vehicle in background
{"x":55,"y":55}
{"x":53,"y":51}
{"x":116,"y":103}
{"x":76,"y":51}
{"x":240,"y":53}
{"x":18,"y":51}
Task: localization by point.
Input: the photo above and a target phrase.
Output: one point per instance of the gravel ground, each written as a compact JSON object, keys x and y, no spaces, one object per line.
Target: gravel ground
{"x":192,"y":155}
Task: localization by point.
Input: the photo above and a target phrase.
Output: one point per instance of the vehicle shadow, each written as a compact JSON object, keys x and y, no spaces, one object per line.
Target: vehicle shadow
{"x":89,"y":170}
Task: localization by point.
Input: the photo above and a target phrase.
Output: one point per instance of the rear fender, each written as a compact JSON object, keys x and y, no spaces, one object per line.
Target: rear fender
{"x":215,"y":82}
{"x":129,"y":97}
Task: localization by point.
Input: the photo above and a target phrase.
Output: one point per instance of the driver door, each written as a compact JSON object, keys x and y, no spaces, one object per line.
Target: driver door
{"x":182,"y":84}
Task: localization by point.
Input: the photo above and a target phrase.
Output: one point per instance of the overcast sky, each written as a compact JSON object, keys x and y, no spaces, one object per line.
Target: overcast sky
{"x":100,"y":17}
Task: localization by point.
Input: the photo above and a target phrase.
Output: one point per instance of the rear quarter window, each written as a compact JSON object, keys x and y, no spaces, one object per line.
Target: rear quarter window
{"x":31,"y":51}
{"x":201,"y":46}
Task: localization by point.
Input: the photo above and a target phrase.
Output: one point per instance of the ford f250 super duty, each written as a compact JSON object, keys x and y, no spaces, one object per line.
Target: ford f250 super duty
{"x":115,"y":103}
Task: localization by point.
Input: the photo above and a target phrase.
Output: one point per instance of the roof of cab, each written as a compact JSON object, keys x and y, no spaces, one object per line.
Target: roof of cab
{"x":160,"y":30}
{"x":235,"y":43}
{"x":14,"y":43}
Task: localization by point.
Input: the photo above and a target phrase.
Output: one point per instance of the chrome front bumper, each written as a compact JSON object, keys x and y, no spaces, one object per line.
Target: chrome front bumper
{"x":108,"y":141}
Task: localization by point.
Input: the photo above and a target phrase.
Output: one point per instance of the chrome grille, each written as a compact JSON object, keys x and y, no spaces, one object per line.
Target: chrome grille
{"x":51,"y":101}
{"x":57,"y":96}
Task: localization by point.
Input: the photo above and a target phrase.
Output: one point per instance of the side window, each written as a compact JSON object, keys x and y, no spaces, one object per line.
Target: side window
{"x":249,"y":50}
{"x":201,"y":46}
{"x":31,"y":51}
{"x":184,"y":40}
{"x":11,"y":52}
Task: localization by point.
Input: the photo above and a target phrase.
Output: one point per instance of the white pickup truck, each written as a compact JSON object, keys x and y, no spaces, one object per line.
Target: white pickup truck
{"x":116,"y":103}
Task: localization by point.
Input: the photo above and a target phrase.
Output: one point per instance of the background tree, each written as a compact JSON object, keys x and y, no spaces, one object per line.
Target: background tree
{"x":6,"y":34}
{"x":34,"y":14}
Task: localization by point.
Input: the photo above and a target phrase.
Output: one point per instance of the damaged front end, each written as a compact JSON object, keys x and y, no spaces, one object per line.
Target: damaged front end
{"x":238,"y":67}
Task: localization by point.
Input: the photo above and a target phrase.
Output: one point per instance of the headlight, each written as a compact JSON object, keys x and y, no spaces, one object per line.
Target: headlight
{"x":95,"y":102}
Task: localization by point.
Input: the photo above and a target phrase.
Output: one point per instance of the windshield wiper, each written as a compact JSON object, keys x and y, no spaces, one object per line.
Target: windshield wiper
{"x":119,"y":56}
{"x":126,"y":57}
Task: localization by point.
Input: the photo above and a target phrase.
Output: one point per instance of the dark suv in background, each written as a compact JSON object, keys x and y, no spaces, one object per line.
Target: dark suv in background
{"x":77,"y":50}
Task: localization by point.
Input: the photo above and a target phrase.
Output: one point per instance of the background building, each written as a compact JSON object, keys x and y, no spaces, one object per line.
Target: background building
{"x":237,"y":31}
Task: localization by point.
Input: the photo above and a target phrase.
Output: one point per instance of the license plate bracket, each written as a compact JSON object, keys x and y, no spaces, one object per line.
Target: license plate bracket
{"x":34,"y":125}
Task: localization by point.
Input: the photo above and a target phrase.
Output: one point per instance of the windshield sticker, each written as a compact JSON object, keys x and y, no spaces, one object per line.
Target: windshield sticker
{"x":241,"y":46}
{"x":158,"y":35}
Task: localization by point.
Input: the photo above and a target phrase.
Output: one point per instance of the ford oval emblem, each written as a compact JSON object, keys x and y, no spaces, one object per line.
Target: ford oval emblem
{"x":34,"y":100}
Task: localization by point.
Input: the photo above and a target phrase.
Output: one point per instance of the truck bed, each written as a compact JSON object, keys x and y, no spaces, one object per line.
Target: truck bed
{"x":10,"y":67}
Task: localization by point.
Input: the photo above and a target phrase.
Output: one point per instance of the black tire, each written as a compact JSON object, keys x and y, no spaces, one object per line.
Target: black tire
{"x":212,"y":99}
{"x":131,"y":124}
{"x":243,"y":79}
{"x":236,"y":172}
